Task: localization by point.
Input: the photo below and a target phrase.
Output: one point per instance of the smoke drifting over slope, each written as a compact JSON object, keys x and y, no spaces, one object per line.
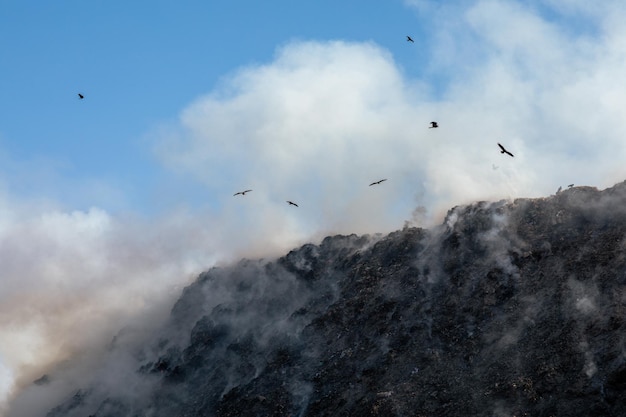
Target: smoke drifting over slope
{"x":70,"y":279}
{"x":505,"y":309}
{"x":316,"y":125}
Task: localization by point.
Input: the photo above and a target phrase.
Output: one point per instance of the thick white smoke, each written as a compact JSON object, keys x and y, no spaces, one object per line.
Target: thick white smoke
{"x":70,"y":281}
{"x":322,"y":120}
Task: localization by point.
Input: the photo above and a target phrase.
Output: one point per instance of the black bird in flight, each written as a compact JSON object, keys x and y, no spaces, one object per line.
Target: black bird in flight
{"x":433,"y":125}
{"x":502,"y":150}
{"x":242,"y":192}
{"x":80,"y":96}
{"x":291,"y":203}
{"x":408,"y":39}
{"x":377,"y":182}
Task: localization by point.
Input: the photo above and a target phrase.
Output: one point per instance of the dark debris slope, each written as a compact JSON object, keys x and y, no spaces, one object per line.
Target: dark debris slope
{"x":507,"y":309}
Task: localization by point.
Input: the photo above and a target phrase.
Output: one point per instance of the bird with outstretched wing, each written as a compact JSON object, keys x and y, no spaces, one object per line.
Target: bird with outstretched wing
{"x":503,"y":150}
{"x":242,"y":192}
{"x":378,"y":182}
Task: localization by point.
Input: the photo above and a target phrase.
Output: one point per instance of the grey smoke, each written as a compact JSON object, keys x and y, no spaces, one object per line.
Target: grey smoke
{"x":476,"y":314}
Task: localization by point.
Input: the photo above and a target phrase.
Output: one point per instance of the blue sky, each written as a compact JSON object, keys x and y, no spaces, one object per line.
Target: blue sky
{"x":139,"y":64}
{"x":111,"y":204}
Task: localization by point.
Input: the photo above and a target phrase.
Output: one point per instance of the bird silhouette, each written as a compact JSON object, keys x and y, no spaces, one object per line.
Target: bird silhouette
{"x":291,"y":203}
{"x":377,"y":182}
{"x":559,"y":190}
{"x":570,"y":186}
{"x":433,"y":125}
{"x":502,"y":150}
{"x":80,"y":96}
{"x":408,"y":39}
{"x":242,"y":192}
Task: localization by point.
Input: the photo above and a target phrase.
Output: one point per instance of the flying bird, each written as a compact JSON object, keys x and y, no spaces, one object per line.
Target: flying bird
{"x":377,"y":182}
{"x":80,"y":96}
{"x":408,"y":39}
{"x":502,"y":150}
{"x":433,"y":125}
{"x":242,"y":192}
{"x":291,"y":203}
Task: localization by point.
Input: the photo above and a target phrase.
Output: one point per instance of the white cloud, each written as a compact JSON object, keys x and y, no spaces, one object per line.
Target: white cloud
{"x":316,"y":126}
{"x":323,"y":119}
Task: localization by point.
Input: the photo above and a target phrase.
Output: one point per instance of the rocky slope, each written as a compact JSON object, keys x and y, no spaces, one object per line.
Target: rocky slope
{"x":506,"y":309}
